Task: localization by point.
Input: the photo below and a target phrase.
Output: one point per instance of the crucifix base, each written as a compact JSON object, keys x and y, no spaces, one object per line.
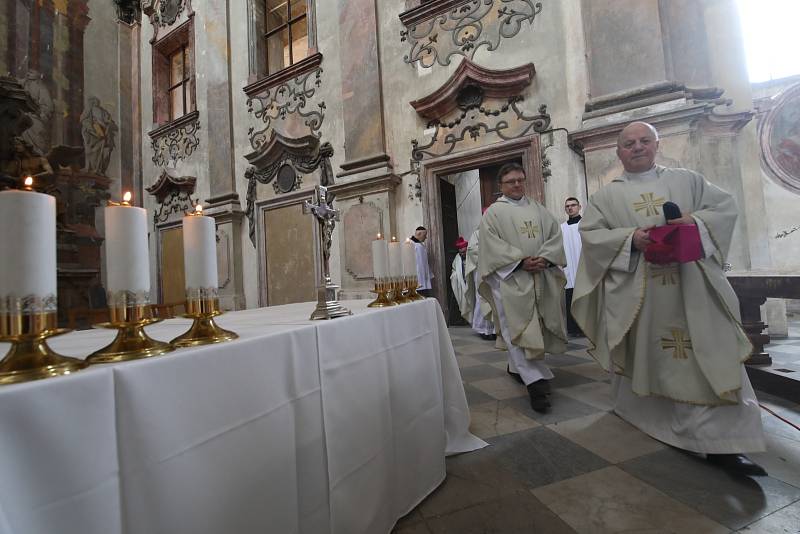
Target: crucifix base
{"x":327,"y":305}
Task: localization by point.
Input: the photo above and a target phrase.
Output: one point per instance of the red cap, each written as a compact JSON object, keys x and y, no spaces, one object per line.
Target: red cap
{"x":461,"y":243}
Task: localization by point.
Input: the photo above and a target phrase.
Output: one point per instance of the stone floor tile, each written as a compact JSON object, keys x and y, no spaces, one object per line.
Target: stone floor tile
{"x":472,"y":348}
{"x":733,"y":501}
{"x":784,"y":521}
{"x":472,"y":478}
{"x":539,"y":456}
{"x":781,"y":460}
{"x":412,"y":518}
{"x":597,"y":394}
{"x":501,"y":388}
{"x":589,"y":370}
{"x":563,"y":408}
{"x":492,"y":356}
{"x":476,"y":396}
{"x":607,"y":436}
{"x":467,"y":361}
{"x":560,"y":360}
{"x":610,"y":500}
{"x":495,"y":419}
{"x":480,"y":372}
{"x":565,"y":379}
{"x":521,"y":513}
{"x":419,"y":528}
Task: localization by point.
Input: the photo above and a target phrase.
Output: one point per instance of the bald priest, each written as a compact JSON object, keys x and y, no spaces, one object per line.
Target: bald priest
{"x":669,"y":329}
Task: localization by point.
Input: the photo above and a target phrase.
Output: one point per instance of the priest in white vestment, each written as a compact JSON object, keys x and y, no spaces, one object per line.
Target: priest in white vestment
{"x":424,"y":276}
{"x":458,"y":279}
{"x":670,"y":332}
{"x":481,"y":317}
{"x":572,"y":249}
{"x":520,"y":254}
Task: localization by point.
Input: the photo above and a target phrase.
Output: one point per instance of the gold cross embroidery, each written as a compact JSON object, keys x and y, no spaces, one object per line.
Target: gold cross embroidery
{"x":649,"y":203}
{"x":679,"y":344}
{"x":530,"y":229}
{"x":668,"y":274}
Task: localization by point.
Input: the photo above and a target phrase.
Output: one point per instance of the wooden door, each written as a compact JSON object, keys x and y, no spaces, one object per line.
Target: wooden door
{"x":449,"y":235}
{"x":172,"y":277}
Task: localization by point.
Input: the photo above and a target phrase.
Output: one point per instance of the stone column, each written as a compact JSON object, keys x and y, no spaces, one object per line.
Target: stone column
{"x":223,"y":203}
{"x":362,"y":97}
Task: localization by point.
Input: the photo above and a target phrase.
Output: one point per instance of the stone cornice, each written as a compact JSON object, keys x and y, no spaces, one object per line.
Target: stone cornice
{"x":301,"y":67}
{"x":428,"y":10}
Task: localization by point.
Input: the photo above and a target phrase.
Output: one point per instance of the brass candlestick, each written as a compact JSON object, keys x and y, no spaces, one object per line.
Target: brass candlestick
{"x":30,"y":358}
{"x":131,"y":342}
{"x":398,"y":285}
{"x":411,"y":289}
{"x":203,"y":330}
{"x":382,"y":288}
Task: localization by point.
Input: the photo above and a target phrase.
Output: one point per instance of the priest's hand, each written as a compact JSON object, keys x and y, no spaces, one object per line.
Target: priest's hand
{"x":641,"y":238}
{"x":686,"y":219}
{"x":534,"y":265}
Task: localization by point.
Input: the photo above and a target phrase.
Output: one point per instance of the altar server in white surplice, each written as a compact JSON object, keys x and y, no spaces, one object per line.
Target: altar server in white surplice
{"x":520,"y":254}
{"x":481,"y":316}
{"x":424,"y":276}
{"x":671,"y":332}
{"x":458,"y":279}
{"x":572,"y":249}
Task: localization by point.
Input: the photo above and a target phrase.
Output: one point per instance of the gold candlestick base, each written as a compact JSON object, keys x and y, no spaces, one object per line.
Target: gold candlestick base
{"x":397,"y":295}
{"x":382,"y":289}
{"x":131,"y":342}
{"x":203,"y":330}
{"x":30,"y":358}
{"x":411,"y":289}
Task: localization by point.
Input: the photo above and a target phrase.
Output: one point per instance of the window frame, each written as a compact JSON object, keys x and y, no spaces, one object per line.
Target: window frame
{"x":179,"y":40}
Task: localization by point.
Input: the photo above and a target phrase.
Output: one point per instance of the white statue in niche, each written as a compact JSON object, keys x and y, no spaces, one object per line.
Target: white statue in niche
{"x":98,"y":130}
{"x":38,"y":135}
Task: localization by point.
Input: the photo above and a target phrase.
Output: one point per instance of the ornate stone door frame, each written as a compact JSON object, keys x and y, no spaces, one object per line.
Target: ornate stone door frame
{"x":527,"y":148}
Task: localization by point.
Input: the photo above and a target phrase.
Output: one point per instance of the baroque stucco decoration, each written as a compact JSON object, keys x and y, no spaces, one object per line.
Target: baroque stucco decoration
{"x":477,"y":102}
{"x":303,"y":155}
{"x":779,"y":136}
{"x":165,"y":13}
{"x":175,"y":141}
{"x":173,"y":194}
{"x":285,"y":98}
{"x":439,"y":31}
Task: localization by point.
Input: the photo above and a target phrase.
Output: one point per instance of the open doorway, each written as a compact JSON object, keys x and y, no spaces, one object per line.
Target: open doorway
{"x":464,"y":195}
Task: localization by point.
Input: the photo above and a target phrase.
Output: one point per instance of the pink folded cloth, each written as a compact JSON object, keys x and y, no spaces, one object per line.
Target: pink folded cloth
{"x":677,"y":243}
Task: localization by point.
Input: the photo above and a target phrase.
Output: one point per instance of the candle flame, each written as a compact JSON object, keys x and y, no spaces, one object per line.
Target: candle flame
{"x":380,"y":236}
{"x":28,"y":181}
{"x":394,"y":239}
{"x":198,"y":209}
{"x":127,"y":196}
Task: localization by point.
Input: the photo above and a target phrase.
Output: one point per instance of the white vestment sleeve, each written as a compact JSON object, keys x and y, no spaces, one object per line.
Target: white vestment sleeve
{"x":627,"y":258}
{"x":705,"y":238}
{"x":506,"y":271}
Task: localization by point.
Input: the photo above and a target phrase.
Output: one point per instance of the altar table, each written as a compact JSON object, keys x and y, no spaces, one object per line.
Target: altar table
{"x":297,"y":427}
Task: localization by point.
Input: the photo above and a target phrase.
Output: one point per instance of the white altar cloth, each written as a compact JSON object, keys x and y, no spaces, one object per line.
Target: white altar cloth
{"x":310,"y":427}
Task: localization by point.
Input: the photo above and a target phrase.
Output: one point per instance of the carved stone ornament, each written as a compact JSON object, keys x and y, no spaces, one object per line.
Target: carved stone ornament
{"x":304,"y":155}
{"x":272,"y":104}
{"x":165,"y":13}
{"x":173,"y":194}
{"x":175,"y":141}
{"x":462,"y":28}
{"x":477,"y":102}
{"x":779,"y":135}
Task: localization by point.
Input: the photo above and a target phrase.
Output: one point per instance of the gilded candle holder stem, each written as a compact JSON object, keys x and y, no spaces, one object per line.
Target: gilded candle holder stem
{"x":383,"y":289}
{"x":398,"y":289}
{"x":203,"y":330}
{"x":131,"y":341}
{"x":30,"y":358}
{"x":411,"y":289}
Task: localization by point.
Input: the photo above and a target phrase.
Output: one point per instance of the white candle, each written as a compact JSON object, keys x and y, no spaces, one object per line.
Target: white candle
{"x":380,"y":258}
{"x":127,"y":255}
{"x":200,"y":252}
{"x":395,"y":261}
{"x":27,"y":245}
{"x":409,"y":259}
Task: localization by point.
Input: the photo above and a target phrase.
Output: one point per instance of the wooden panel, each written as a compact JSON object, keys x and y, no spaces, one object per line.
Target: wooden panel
{"x":173,"y":281}
{"x":289,"y":245}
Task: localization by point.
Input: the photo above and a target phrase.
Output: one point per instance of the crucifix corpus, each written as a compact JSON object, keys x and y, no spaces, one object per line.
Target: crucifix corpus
{"x":321,"y":207}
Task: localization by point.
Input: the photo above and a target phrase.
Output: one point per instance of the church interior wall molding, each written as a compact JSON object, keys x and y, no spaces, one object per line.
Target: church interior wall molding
{"x":439,"y":31}
{"x":165,"y":13}
{"x":173,"y":196}
{"x":175,"y":141}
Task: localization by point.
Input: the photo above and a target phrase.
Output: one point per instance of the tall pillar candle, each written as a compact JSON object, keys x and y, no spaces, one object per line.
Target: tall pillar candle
{"x":127,"y":255}
{"x":409,"y":259}
{"x":395,"y":259}
{"x":28,"y":250}
{"x":200,"y":255}
{"x":380,"y":258}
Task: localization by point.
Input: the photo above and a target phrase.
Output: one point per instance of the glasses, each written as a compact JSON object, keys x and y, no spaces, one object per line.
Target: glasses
{"x":514,"y":182}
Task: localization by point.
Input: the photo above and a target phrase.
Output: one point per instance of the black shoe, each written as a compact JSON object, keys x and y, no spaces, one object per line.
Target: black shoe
{"x":488,"y":337}
{"x":515,"y":376}
{"x":539,"y":402}
{"x":737,"y":463}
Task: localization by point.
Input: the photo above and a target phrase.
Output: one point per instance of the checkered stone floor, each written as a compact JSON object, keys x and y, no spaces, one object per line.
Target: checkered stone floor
{"x":580,"y":468}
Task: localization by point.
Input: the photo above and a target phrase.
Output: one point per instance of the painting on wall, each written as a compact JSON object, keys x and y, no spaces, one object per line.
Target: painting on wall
{"x":780,"y":139}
